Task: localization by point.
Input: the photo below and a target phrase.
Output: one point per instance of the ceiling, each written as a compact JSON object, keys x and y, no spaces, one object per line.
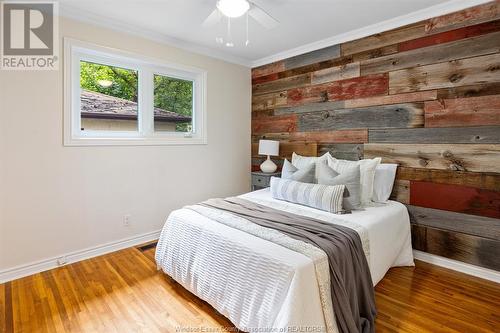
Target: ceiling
{"x":305,"y":25}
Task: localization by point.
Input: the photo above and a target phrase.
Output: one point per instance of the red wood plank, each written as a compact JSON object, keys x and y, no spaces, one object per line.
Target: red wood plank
{"x":370,"y":85}
{"x":472,"y":111}
{"x":449,"y":36}
{"x":265,"y":78}
{"x":309,"y":94}
{"x":455,"y":198}
{"x":365,"y":86}
{"x":274,"y":124}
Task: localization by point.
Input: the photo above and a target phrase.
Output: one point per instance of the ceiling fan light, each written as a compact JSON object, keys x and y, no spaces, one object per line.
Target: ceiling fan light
{"x":233,"y":8}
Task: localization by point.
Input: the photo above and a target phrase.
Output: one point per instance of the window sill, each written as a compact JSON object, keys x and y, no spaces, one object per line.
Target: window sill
{"x":179,"y":141}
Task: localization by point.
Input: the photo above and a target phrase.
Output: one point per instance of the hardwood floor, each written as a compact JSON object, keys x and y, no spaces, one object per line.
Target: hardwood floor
{"x":123,"y":292}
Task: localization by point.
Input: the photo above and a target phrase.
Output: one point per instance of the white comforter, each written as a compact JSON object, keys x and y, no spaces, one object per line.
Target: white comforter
{"x":261,"y":284}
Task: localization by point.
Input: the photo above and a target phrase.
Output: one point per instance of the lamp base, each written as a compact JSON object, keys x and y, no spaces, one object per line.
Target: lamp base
{"x":268,"y":166}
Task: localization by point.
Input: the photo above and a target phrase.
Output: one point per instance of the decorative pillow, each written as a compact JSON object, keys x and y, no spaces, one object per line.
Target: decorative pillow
{"x":367,"y":170}
{"x":324,"y":197}
{"x":350,"y":178}
{"x":300,"y":162}
{"x":383,"y":181}
{"x":304,"y":175}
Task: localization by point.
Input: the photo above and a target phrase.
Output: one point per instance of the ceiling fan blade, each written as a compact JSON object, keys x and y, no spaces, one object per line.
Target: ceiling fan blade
{"x":262,"y":17}
{"x":305,"y":2}
{"x":212,"y":19}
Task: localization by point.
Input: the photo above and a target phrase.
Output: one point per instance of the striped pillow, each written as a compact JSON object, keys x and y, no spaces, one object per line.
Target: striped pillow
{"x":324,"y":197}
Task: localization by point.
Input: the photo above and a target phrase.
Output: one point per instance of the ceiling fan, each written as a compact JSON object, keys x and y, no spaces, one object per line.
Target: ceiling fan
{"x":231,"y":9}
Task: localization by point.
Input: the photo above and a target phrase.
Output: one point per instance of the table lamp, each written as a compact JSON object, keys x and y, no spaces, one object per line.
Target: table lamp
{"x":269,"y":148}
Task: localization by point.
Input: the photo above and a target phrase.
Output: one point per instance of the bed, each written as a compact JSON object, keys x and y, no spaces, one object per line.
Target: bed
{"x":264,"y":281}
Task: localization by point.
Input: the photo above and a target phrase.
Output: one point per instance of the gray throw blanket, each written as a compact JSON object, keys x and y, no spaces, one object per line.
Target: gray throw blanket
{"x":351,"y":284}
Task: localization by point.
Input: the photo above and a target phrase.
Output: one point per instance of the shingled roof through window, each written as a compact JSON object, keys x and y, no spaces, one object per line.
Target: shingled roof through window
{"x":101,"y":106}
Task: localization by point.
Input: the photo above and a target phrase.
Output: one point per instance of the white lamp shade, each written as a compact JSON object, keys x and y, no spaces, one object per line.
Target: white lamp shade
{"x":269,"y":147}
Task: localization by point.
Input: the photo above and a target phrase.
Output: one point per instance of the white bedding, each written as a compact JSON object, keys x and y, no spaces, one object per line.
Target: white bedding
{"x":388,"y":227}
{"x":261,"y":285}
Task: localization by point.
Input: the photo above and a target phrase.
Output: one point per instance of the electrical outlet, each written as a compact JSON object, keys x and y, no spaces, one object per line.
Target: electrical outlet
{"x":126,"y":220}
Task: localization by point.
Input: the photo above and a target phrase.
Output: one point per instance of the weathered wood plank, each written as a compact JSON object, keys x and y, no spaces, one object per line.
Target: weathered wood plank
{"x":344,"y":151}
{"x":468,"y":224}
{"x":398,"y":35}
{"x":282,"y":84}
{"x":339,"y":90}
{"x":374,"y":53}
{"x":274,"y":67}
{"x":268,"y":101}
{"x":418,"y":237}
{"x":418,"y":96}
{"x":287,"y":148}
{"x":481,"y":134}
{"x":313,"y":57}
{"x":484,"y":110}
{"x":261,"y":113}
{"x":284,"y":136}
{"x":385,"y":116}
{"x":340,"y":136}
{"x":370,"y":54}
{"x":447,"y":74}
{"x":450,"y":36}
{"x":305,"y":69}
{"x":474,"y":250}
{"x":456,"y":198}
{"x":487,"y":181}
{"x":311,"y":107}
{"x":465,"y":48}
{"x":475,"y":15}
{"x":365,"y":86}
{"x":343,"y":72}
{"x":401,"y":191}
{"x":461,"y":157}
{"x":469,"y":91}
{"x":269,"y":124}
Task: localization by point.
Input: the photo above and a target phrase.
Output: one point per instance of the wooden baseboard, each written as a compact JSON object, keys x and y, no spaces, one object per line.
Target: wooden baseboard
{"x":68,"y":258}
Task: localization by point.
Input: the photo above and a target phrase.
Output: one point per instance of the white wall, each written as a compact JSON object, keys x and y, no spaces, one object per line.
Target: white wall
{"x":56,"y":199}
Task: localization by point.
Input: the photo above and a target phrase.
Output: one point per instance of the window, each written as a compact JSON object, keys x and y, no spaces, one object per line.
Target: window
{"x":173,"y":104}
{"x":108,"y":98}
{"x":115,"y":98}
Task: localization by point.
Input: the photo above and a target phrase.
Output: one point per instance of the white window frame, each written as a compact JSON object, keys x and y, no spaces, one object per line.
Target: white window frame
{"x":76,"y":51}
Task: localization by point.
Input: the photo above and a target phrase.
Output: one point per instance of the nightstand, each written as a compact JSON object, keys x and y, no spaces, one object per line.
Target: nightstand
{"x":261,"y":180}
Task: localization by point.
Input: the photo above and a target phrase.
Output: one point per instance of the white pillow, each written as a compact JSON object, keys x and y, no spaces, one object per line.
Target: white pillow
{"x":300,"y":162}
{"x":324,"y":197}
{"x":304,"y":175}
{"x":367,"y":168}
{"x":385,"y":173}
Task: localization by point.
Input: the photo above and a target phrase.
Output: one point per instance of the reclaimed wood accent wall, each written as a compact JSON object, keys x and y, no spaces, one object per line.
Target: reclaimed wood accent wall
{"x":425,"y":96}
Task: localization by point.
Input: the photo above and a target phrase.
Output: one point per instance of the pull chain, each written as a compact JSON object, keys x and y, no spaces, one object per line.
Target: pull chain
{"x":229,"y":42}
{"x":247,"y":41}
